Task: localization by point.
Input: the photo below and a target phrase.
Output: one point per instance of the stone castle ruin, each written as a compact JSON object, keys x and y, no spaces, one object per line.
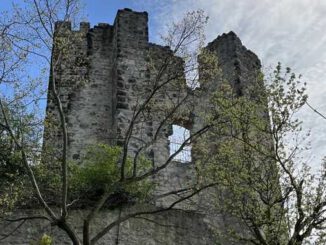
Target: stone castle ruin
{"x":117,"y":67}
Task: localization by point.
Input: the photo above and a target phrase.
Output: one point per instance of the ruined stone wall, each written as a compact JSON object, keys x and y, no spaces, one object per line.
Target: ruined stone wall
{"x":169,"y":228}
{"x":98,"y":101}
{"x":131,"y":34}
{"x":69,"y":76}
{"x":91,"y":112}
{"x":117,"y":70}
{"x":240,"y":68}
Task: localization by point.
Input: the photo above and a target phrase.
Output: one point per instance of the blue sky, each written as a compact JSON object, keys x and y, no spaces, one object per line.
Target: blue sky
{"x":105,"y":11}
{"x":290,"y":31}
{"x":97,"y":11}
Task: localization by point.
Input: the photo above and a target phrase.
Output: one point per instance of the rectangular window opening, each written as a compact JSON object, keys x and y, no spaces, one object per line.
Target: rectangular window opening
{"x":179,"y":137}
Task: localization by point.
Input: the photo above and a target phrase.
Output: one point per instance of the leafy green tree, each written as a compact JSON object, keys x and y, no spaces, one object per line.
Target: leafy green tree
{"x":263,"y":182}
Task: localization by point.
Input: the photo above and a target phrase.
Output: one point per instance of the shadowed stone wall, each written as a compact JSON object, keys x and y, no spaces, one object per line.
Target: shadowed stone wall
{"x":173,"y":227}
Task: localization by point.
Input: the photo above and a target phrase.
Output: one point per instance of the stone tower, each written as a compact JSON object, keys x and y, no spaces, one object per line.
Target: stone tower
{"x":99,"y":94}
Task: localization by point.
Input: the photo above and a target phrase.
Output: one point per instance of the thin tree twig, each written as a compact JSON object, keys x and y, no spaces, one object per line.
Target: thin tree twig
{"x":315,"y":110}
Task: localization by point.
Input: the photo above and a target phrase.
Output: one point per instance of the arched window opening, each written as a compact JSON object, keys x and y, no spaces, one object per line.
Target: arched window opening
{"x":178,"y":137}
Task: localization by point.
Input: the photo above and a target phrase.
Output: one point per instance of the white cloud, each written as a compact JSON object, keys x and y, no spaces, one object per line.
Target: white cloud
{"x":290,"y":31}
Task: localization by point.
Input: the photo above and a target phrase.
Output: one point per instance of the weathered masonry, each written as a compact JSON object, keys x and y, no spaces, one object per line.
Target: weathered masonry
{"x":108,"y":73}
